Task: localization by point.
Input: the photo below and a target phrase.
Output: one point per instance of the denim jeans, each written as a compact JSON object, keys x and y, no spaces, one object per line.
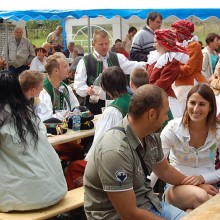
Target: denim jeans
{"x":169,"y":212}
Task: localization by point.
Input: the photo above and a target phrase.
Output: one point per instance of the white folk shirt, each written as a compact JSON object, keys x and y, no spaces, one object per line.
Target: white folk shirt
{"x":45,"y":108}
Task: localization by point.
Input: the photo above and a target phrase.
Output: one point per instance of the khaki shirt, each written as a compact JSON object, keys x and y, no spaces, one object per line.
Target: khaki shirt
{"x":19,"y":55}
{"x":54,"y":39}
{"x":115,"y":166}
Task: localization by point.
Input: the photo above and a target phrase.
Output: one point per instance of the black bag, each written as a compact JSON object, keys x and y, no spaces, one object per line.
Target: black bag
{"x":54,"y":126}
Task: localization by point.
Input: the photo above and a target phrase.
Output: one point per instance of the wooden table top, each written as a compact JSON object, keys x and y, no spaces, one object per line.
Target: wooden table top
{"x":71,"y":135}
{"x":209,"y":210}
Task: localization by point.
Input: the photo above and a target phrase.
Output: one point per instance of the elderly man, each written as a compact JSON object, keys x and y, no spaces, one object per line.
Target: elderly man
{"x":55,"y":38}
{"x":20,"y":52}
{"x":70,"y":50}
{"x":116,"y":175}
{"x":92,"y":65}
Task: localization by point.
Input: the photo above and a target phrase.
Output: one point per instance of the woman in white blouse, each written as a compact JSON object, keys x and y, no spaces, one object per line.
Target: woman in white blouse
{"x":191,"y":143}
{"x":38,"y":63}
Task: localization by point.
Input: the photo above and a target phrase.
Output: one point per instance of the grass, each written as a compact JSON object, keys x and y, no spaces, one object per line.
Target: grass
{"x":38,"y":42}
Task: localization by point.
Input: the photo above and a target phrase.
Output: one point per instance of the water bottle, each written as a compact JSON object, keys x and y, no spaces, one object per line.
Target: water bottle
{"x":76,"y":120}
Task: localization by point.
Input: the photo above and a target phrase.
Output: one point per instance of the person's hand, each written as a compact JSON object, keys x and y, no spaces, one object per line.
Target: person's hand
{"x":213,"y":76}
{"x":90,"y":90}
{"x":210,"y":189}
{"x":193,"y":180}
{"x":2,"y":63}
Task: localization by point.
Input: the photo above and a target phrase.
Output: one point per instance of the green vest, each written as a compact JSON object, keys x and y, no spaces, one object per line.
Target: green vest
{"x":170,"y":117}
{"x":95,"y":67}
{"x":57,"y":97}
{"x":122,"y":103}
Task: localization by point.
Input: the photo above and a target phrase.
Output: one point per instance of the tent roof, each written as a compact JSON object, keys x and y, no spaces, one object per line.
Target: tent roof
{"x":61,"y":9}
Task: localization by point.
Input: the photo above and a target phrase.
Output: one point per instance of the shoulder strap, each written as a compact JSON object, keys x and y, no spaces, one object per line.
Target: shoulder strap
{"x":144,"y":167}
{"x":146,"y":172}
{"x":146,"y":29}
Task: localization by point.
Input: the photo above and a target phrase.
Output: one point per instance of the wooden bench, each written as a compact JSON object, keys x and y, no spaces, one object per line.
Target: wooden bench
{"x":73,"y":199}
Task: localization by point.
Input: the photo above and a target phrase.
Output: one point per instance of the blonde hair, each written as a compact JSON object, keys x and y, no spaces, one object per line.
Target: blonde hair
{"x":139,"y":77}
{"x":52,"y":62}
{"x":100,"y":33}
{"x":45,"y":44}
{"x":29,"y":79}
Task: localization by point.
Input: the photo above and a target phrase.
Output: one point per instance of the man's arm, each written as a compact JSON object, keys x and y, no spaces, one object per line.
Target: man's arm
{"x":44,"y":109}
{"x":168,"y":173}
{"x":127,"y":66}
{"x":80,"y":84}
{"x":125,"y":204}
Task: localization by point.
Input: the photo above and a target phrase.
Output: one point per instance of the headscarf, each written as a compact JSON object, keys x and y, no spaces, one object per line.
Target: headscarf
{"x":167,"y":39}
{"x":184,"y":29}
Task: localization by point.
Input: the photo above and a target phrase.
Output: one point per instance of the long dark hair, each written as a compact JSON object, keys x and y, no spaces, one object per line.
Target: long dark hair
{"x":205,"y":92}
{"x":20,"y":112}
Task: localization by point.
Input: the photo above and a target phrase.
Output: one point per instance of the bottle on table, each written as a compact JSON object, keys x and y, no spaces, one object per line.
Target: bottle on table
{"x":76,"y":120}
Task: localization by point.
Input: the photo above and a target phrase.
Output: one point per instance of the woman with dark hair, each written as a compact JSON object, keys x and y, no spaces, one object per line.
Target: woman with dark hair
{"x":39,"y":62}
{"x":191,"y":143}
{"x":113,"y":82}
{"x":31,"y":173}
{"x":127,"y":42}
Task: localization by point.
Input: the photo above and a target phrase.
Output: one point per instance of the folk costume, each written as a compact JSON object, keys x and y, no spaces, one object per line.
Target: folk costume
{"x":56,"y":103}
{"x":164,"y":68}
{"x":190,"y":72}
{"x":53,"y":100}
{"x":110,"y":118}
{"x":89,"y":69}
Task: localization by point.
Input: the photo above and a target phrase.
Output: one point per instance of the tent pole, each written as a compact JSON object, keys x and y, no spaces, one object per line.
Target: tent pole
{"x":64,"y":34}
{"x":89,"y":35}
{"x":6,"y":43}
{"x":120,"y":27}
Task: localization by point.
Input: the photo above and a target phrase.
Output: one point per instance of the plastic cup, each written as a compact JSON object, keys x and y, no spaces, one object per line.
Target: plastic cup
{"x":95,"y":97}
{"x":103,"y":109}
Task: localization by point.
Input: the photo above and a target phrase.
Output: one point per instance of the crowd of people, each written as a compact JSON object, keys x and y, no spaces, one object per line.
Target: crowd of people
{"x":159,"y":100}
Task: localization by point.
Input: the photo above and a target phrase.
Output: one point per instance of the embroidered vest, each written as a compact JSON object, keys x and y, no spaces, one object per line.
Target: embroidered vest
{"x":95,"y":67}
{"x":122,"y":103}
{"x":57,"y":97}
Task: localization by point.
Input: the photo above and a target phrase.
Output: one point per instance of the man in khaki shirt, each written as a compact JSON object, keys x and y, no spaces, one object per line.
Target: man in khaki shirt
{"x":20,"y":52}
{"x":55,"y":38}
{"x":116,"y":185}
